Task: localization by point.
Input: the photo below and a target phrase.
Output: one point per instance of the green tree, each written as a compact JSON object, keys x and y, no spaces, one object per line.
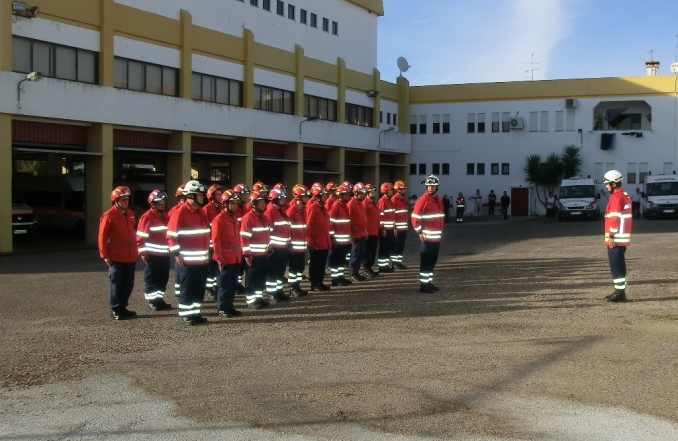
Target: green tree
{"x":571,"y":159}
{"x":544,"y":175}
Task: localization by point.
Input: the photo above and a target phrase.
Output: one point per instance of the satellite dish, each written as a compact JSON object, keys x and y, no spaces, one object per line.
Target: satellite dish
{"x":403,"y":65}
{"x":674,"y":67}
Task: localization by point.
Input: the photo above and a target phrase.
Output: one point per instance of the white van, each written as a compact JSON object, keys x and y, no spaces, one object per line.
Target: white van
{"x":578,"y":199}
{"x":660,"y":196}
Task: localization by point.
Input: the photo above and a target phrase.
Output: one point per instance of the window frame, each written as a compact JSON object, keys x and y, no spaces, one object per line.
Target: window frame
{"x":144,"y":76}
{"x":494,"y":168}
{"x":505,"y":168}
{"x":335,"y":28}
{"x":280,"y":7}
{"x":445,"y":168}
{"x":303,"y":17}
{"x":291,"y":12}
{"x":470,"y":168}
{"x":326,"y":24}
{"x":356,"y":113}
{"x":267,"y":104}
{"x":314,"y":20}
{"x":53,"y":61}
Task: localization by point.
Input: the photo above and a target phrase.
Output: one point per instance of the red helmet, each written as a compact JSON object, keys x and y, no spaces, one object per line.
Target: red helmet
{"x":229,"y":196}
{"x":179,"y":193}
{"x":119,"y":192}
{"x":341,"y":189}
{"x":370,"y":187}
{"x":276,"y":193}
{"x":317,"y":189}
{"x":330,"y":187}
{"x":386,"y":186}
{"x":359,"y":188}
{"x":347,"y":184}
{"x":259,"y":187}
{"x":241,"y":189}
{"x":300,"y":190}
{"x":400,"y":184}
{"x":255,"y":197}
{"x":156,"y":197}
{"x":281,"y":186}
{"x":213,"y":188}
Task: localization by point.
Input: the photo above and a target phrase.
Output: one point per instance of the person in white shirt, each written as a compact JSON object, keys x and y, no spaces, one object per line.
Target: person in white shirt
{"x":478,"y":198}
{"x":635,"y":203}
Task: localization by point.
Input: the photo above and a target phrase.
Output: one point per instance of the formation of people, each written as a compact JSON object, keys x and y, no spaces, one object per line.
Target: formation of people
{"x":461,"y":205}
{"x":257,"y":241}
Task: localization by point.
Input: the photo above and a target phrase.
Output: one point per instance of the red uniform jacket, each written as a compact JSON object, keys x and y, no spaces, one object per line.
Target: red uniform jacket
{"x":281,"y":230}
{"x":188,"y":234}
{"x":386,"y":213}
{"x":174,"y":209}
{"x":356,"y":211}
{"x":226,"y":239}
{"x":461,"y":202}
{"x":152,"y":233}
{"x":340,"y":222}
{"x":240,"y":212}
{"x":318,"y":223}
{"x":255,"y":235}
{"x":211,"y":211}
{"x":618,"y":219}
{"x":401,"y":208}
{"x":428,"y":217}
{"x":372,"y":214}
{"x":297,"y":216}
{"x":329,"y":202}
{"x":117,"y":236}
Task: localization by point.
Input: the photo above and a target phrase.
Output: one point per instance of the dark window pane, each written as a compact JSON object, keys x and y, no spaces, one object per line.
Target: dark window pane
{"x":21,"y":55}
{"x":266,"y":4}
{"x":335,"y":28}
{"x":266,"y":97}
{"x":494,"y":169}
{"x":495,"y":126}
{"x":326,"y":25}
{"x":446,"y":127}
{"x":413,"y":129}
{"x":413,"y":169}
{"x":196,"y":86}
{"x":153,"y":78}
{"x":394,"y":120}
{"x":446,"y":169}
{"x":120,"y":73}
{"x":281,"y":8}
{"x":470,"y":168}
{"x":135,"y":72}
{"x":302,"y":16}
{"x":290,"y":12}
{"x":322,"y":108}
{"x":221,"y":92}
{"x":481,"y":127}
{"x":422,"y":128}
{"x":257,"y":97}
{"x":169,"y":81}
{"x":235,"y":93}
{"x":436,"y":128}
{"x":422,"y":169}
{"x":480,"y":169}
{"x":66,"y":63}
{"x":435,"y":169}
{"x":314,"y":20}
{"x":87,"y":67}
{"x":332,"y":110}
{"x":254,"y":2}
{"x":207,"y":86}
{"x":470,"y":127}
{"x":277,"y":105}
{"x":504,"y":169}
{"x":288,"y":104}
{"x":42,"y":58}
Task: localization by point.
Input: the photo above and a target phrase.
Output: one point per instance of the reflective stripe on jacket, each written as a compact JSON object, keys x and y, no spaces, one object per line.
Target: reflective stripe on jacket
{"x":254,"y":234}
{"x":618,"y":219}
{"x":188,"y":234}
{"x":297,"y":217}
{"x":281,"y":227}
{"x":152,"y":233}
{"x":428,"y":217}
{"x":340,"y":222}
{"x":386,"y":213}
{"x":401,"y":208}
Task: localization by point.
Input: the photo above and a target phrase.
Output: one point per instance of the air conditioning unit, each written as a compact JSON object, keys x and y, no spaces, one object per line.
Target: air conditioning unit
{"x":516,"y":123}
{"x":570,"y":103}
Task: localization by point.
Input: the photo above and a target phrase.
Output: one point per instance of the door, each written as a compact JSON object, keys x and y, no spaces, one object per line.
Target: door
{"x":519,"y":201}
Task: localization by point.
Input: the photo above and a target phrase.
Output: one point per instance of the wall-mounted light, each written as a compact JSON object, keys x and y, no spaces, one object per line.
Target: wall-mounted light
{"x":22,"y":10}
{"x":33,"y":76}
{"x":308,"y":119}
{"x":372,"y":93}
{"x":581,"y":136}
{"x":390,"y":129}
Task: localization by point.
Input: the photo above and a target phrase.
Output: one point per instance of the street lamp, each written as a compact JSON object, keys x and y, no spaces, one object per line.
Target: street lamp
{"x":33,"y":76}
{"x":311,"y":119}
{"x":390,"y":129}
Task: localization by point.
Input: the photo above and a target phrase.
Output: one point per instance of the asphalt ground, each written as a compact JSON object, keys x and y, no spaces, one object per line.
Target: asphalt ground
{"x":517,"y":345}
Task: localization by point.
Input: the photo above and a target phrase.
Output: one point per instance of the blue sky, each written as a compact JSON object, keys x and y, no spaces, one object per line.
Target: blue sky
{"x":477,"y":41}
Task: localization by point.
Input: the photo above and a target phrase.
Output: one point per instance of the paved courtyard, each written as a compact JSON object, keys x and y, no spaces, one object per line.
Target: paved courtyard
{"x":517,"y":345}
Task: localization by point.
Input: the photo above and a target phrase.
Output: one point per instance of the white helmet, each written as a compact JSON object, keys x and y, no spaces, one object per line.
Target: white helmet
{"x":194,"y":187}
{"x":612,"y":176}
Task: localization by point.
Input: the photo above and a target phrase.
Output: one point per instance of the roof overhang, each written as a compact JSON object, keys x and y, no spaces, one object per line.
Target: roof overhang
{"x":374,"y":6}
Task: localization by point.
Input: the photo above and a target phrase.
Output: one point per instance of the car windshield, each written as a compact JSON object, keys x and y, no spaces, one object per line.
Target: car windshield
{"x":662,"y":189}
{"x":577,"y":191}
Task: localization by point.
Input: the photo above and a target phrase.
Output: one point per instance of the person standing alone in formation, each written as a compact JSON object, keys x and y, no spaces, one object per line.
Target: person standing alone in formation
{"x":461,"y":206}
{"x":491,"y":202}
{"x":505,"y":202}
{"x":618,"y":222}
{"x":427,"y":220}
{"x":635,"y":203}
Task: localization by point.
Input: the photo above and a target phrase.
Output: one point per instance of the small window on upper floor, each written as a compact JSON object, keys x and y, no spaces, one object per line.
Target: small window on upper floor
{"x":505,"y":168}
{"x":446,"y":123}
{"x":290,"y":12}
{"x":266,"y":5}
{"x":302,"y":16}
{"x":505,"y":122}
{"x":435,"y":169}
{"x":388,"y":118}
{"x":435,"y":128}
{"x":470,"y":168}
{"x":326,"y":24}
{"x":314,"y":20}
{"x":281,"y":8}
{"x":413,"y":169}
{"x":335,"y":28}
{"x":471,"y":123}
{"x":422,"y":124}
{"x":481,"y":123}
{"x":254,"y":3}
{"x":495,"y":122}
{"x":446,"y":168}
{"x":394,"y":120}
{"x":413,"y":124}
{"x":422,"y":169}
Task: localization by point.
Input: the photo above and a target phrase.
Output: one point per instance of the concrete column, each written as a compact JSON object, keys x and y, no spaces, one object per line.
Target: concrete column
{"x":403,"y":104}
{"x":336,"y":161}
{"x":6,"y":130}
{"x":178,"y":164}
{"x":299,"y":81}
{"x":242,"y":167}
{"x":377,"y":99}
{"x":186,"y":71}
{"x":371,"y":173}
{"x":98,"y":178}
{"x":341,"y":90}
{"x":402,"y":172}
{"x":294,"y":171}
{"x":248,"y":83}
{"x":106,"y":32}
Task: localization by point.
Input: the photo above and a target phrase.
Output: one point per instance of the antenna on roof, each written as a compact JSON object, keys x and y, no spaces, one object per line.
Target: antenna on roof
{"x":532,"y":69}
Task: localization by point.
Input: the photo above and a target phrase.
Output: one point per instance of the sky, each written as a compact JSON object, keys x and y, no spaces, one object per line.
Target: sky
{"x":480,"y":41}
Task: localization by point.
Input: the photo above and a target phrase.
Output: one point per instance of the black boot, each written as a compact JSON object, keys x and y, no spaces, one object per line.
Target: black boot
{"x":296,"y":291}
{"x":426,"y":288}
{"x":618,"y":295}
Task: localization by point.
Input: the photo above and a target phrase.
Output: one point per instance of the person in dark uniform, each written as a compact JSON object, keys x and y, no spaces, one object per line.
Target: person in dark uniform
{"x":446,"y":206}
{"x":505,"y":202}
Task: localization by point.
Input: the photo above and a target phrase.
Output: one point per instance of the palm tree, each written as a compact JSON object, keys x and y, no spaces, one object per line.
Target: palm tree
{"x":571,"y":159}
{"x":544,"y":175}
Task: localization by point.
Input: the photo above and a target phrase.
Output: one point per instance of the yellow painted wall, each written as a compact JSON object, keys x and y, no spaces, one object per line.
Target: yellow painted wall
{"x":6,"y":182}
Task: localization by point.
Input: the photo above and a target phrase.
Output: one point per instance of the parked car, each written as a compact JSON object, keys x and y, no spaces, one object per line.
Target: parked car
{"x":23,"y":220}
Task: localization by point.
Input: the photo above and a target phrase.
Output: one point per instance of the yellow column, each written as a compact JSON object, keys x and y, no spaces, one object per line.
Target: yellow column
{"x":336,"y":161}
{"x":242,"y":167}
{"x":294,"y":171}
{"x":178,"y":164}
{"x":186,"y":71}
{"x":248,"y":83}
{"x":403,"y":104}
{"x":299,"y":79}
{"x":106,"y":33}
{"x":6,"y":131}
{"x":341,"y":91}
{"x":377,"y":99}
{"x":98,"y":177}
{"x":371,"y":173}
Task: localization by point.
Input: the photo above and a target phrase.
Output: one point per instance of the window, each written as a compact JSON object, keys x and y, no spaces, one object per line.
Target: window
{"x":381,"y":117}
{"x":281,"y":8}
{"x":569,"y":120}
{"x":435,"y":169}
{"x":53,"y":60}
{"x":394,"y":120}
{"x":534,"y":121}
{"x":436,"y":124}
{"x":254,"y":3}
{"x":446,"y":169}
{"x":321,"y":108}
{"x":480,"y":168}
{"x":668,"y":168}
{"x":560,"y":121}
{"x":471,"y":123}
{"x":335,"y":28}
{"x":326,"y":24}
{"x":422,"y":169}
{"x":302,"y":16}
{"x":314,"y":20}
{"x":413,"y":169}
{"x":495,"y":122}
{"x":446,"y":123}
{"x":642,"y":172}
{"x":544,"y":121}
{"x":631,"y":173}
{"x":413,"y":124}
{"x":266,"y":5}
{"x":422,"y":124}
{"x":504,"y":168}
{"x":494,"y":168}
{"x":145,"y":77}
{"x":216,"y":89}
{"x":358,"y":115}
{"x":626,"y":121}
{"x":481,"y":123}
{"x":470,"y":168}
{"x":290,"y":12}
{"x":505,"y":122}
{"x":273,"y":100}
{"x":388,"y":118}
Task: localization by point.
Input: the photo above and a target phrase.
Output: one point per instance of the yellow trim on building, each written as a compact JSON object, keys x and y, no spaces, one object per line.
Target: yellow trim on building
{"x":147,"y":26}
{"x":84,"y":13}
{"x":216,"y":44}
{"x":373,"y":6}
{"x":274,"y":58}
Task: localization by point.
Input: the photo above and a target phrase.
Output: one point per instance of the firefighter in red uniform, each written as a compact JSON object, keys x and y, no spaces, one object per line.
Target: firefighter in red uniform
{"x":154,"y":251}
{"x":243,"y":193}
{"x":227,"y":254}
{"x":461,"y":206}
{"x":330,"y":187}
{"x":318,"y":236}
{"x":372,"y":242}
{"x":211,"y":210}
{"x":356,"y":211}
{"x":179,"y":194}
{"x":340,"y":233}
{"x":618,"y":220}
{"x":254,"y":240}
{"x":428,"y":217}
{"x":188,"y":233}
{"x":282,"y":187}
{"x":400,"y":205}
{"x":117,"y":246}
{"x":386,"y":227}
{"x":297,"y":216}
{"x":280,"y":245}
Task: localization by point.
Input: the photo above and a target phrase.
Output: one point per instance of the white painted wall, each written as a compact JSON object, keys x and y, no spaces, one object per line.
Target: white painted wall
{"x":142,"y":51}
{"x":356,"y":42}
{"x":59,"y":33}
{"x":319,"y":89}
{"x":359,"y":98}
{"x":388,"y":107}
{"x":269,"y":78}
{"x":218,"y":68}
